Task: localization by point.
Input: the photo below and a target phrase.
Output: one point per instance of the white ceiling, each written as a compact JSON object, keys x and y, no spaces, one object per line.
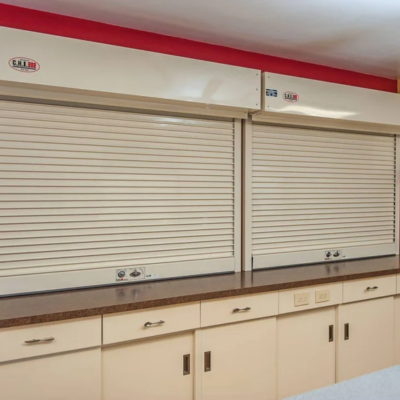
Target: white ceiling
{"x":359,"y":35}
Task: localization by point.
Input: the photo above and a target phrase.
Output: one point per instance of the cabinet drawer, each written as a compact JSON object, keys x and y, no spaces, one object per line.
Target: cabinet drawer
{"x":49,"y":338}
{"x":139,"y":324}
{"x":370,"y":288}
{"x":311,"y":297}
{"x":398,"y":284}
{"x":240,"y":308}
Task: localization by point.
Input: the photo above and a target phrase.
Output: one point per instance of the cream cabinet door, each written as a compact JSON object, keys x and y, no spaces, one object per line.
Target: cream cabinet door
{"x":239,"y":361}
{"x":306,"y":351}
{"x":72,"y":376}
{"x":150,"y":369}
{"x":397,"y":330}
{"x":366,"y":337}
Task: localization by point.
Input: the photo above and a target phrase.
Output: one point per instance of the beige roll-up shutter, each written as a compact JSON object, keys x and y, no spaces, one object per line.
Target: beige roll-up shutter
{"x":321,"y":195}
{"x":84,"y":189}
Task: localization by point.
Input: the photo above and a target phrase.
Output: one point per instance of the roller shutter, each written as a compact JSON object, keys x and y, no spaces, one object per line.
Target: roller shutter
{"x":93,"y":189}
{"x":320,"y":195}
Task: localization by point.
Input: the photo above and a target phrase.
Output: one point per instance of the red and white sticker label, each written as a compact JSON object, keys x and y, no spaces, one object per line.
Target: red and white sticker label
{"x":23,"y":64}
{"x":291,"y":97}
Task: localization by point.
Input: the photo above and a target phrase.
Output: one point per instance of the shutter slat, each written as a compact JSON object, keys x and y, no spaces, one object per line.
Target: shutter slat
{"x":133,"y":244}
{"x":321,"y":216}
{"x":309,"y":211}
{"x":115,"y":248}
{"x":307,"y":238}
{"x":304,"y":222}
{"x":125,"y":260}
{"x":301,"y":206}
{"x":188,"y":235}
{"x":84,"y":188}
{"x":24,"y":185}
{"x":331,"y":150}
{"x":145,"y":143}
{"x":43,"y":111}
{"x":121,"y":158}
{"x":262,"y":234}
{"x":101,"y":255}
{"x":168,"y":134}
{"x":112,"y":217}
{"x":303,"y":134}
{"x":87,"y":207}
{"x":119,"y":210}
{"x":261,"y":153}
{"x":22,"y":163}
{"x":326,"y":158}
{"x":324,"y":244}
{"x":114,"y":221}
{"x":315,"y":141}
{"x":116,"y":150}
{"x":317,"y":190}
{"x":104,"y":119}
{"x":324,"y":184}
{"x":162,"y":169}
{"x":288,"y":166}
{"x":261,"y":199}
{"x":154,"y":230}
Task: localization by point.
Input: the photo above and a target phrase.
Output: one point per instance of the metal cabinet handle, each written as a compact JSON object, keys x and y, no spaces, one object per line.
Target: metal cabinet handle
{"x":207,"y":361}
{"x":36,"y":341}
{"x":346,"y":331}
{"x":369,"y":288}
{"x":149,"y":324}
{"x":331,"y":333}
{"x":236,"y":310}
{"x":186,"y":364}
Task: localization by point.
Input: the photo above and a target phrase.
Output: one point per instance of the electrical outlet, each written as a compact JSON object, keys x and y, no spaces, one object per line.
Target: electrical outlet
{"x":301,"y":299}
{"x":322,"y":295}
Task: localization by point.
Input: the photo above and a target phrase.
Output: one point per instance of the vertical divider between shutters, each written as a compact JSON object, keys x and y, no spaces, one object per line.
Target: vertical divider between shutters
{"x":247,"y":197}
{"x":237,"y":194}
{"x":397,"y":187}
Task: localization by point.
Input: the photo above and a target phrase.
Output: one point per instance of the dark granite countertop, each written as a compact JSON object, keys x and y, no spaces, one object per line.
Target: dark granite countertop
{"x":37,"y":308}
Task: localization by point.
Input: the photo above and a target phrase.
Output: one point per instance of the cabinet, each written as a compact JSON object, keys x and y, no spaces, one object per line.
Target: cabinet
{"x":366,"y":337}
{"x":69,"y":376}
{"x":239,"y":361}
{"x":306,"y":351}
{"x":151,"y":369}
{"x":397,"y":330}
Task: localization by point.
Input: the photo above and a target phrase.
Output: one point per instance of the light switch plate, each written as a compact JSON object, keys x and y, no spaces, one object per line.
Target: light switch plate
{"x":301,"y":299}
{"x":322,"y":295}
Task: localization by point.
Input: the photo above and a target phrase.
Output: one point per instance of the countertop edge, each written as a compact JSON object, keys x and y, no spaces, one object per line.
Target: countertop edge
{"x":168,"y":301}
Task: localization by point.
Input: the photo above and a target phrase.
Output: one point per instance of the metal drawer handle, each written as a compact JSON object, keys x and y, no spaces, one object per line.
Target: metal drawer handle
{"x":370,"y":289}
{"x":149,"y":324}
{"x":35,"y":341}
{"x":331,"y":338}
{"x":207,"y":361}
{"x":346,"y":331}
{"x":236,"y":310}
{"x":186,"y":364}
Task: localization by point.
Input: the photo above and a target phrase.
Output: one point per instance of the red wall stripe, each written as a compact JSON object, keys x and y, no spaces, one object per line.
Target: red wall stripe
{"x":38,"y":21}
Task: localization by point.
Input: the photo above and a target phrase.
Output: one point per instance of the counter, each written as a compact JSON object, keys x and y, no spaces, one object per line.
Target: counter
{"x":38,"y":308}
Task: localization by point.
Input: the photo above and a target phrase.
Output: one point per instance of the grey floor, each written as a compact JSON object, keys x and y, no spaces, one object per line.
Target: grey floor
{"x":381,"y":385}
